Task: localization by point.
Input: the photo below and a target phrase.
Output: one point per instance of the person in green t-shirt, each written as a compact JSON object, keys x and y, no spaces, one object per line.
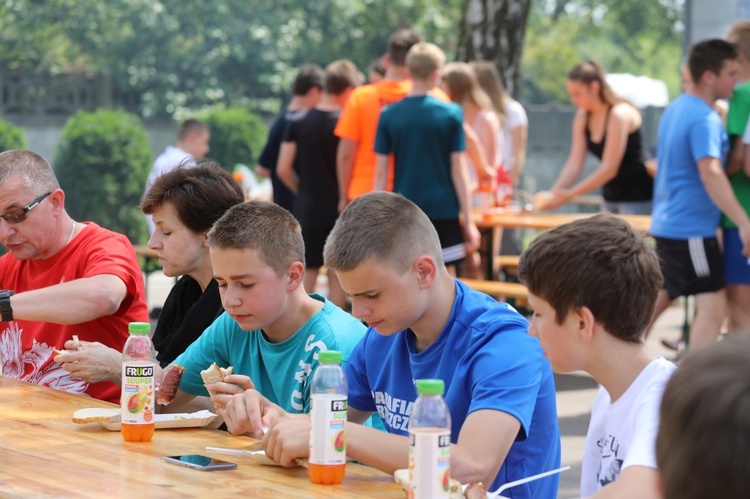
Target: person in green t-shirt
{"x":737,"y":266}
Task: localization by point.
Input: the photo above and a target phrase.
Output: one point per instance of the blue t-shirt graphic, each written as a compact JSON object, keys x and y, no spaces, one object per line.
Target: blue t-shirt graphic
{"x":488,"y":361}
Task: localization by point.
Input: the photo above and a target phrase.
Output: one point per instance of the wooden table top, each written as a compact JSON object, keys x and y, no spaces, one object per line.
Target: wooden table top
{"x":45,"y":454}
{"x":544,"y":221}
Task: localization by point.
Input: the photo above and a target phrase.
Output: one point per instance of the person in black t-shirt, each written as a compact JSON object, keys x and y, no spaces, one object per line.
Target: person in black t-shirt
{"x":306,"y":89}
{"x":307,"y":166}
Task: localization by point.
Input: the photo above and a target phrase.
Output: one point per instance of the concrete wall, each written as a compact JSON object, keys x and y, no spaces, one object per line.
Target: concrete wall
{"x":711,"y":18}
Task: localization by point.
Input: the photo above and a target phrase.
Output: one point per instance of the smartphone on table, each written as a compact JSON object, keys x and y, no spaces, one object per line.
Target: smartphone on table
{"x":198,"y":462}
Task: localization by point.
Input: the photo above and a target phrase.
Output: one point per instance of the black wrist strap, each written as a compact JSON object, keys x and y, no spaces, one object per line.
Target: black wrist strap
{"x":5,"y":309}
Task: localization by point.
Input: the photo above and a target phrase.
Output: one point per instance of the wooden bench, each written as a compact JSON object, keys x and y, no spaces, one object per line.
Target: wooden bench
{"x":499,"y":290}
{"x":508,"y":263}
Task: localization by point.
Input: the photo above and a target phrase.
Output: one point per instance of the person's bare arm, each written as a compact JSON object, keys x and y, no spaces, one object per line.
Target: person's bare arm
{"x":736,"y":159}
{"x":262,"y":171}
{"x":519,"y":136}
{"x":574,"y":164}
{"x":344,"y":164}
{"x":476,"y":153}
{"x":381,"y":171}
{"x":285,"y":166}
{"x":634,"y":481}
{"x":72,"y":302}
{"x":460,"y":177}
{"x":720,"y":191}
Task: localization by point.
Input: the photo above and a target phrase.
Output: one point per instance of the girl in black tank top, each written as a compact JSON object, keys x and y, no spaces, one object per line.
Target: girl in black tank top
{"x":626,"y":185}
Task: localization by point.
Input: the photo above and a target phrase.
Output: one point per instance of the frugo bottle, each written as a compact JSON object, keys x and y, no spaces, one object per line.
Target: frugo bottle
{"x":328,"y":391}
{"x":137,"y":399}
{"x":430,"y":442}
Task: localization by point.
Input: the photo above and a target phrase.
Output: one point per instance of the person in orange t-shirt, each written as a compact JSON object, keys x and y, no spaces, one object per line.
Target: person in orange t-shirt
{"x":355,"y":159}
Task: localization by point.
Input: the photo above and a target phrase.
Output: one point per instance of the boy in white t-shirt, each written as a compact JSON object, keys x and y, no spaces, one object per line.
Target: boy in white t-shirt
{"x":592,"y":285}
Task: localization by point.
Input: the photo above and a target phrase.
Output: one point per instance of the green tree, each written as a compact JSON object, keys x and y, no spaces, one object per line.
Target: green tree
{"x":642,"y":37}
{"x":102,"y":162}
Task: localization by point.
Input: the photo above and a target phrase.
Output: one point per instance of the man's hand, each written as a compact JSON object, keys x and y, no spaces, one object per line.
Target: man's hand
{"x":288,"y":438}
{"x":745,"y":238}
{"x":247,"y":412}
{"x":94,"y":363}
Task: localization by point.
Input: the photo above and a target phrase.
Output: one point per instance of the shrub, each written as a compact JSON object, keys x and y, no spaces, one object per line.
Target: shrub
{"x":237,"y":136}
{"x":11,"y":137}
{"x":102,"y":162}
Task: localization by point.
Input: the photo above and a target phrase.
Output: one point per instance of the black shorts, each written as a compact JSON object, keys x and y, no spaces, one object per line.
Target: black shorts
{"x":451,"y":240}
{"x":315,"y":240}
{"x":690,"y":266}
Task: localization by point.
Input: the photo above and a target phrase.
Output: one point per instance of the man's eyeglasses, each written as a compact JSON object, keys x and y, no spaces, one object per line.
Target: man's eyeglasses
{"x":18,"y":215}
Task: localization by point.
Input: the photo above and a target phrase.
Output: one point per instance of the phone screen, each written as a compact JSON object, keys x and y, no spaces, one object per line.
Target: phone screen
{"x":199,"y":462}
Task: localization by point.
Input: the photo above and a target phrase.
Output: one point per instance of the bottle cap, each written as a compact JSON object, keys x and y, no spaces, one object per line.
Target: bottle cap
{"x":330,"y":357}
{"x":430,"y":386}
{"x":139,"y":328}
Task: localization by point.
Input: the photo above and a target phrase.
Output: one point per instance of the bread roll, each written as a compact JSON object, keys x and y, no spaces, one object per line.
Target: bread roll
{"x":97,"y":415}
{"x":215,"y":374}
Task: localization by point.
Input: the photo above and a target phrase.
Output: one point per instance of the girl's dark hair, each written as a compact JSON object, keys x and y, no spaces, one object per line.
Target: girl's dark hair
{"x":200,"y":194}
{"x":591,"y":71}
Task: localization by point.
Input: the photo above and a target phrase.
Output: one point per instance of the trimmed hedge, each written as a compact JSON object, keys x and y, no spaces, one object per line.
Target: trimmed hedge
{"x":102,"y":161}
{"x":237,"y":136}
{"x":11,"y":137}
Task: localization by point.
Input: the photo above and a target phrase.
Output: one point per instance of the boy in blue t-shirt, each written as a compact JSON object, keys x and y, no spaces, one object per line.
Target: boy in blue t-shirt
{"x":426,"y":137}
{"x":425,"y":324}
{"x":271,"y":330}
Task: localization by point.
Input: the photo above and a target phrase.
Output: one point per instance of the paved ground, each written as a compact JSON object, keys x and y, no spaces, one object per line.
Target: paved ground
{"x":575,"y":393}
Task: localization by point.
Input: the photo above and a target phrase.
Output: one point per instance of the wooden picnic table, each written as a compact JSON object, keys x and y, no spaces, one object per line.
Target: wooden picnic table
{"x":45,"y":454}
{"x":492,"y":223}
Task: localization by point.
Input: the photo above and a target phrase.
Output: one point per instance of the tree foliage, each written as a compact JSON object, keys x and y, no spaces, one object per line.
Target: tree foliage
{"x":642,"y":37}
{"x":102,"y":161}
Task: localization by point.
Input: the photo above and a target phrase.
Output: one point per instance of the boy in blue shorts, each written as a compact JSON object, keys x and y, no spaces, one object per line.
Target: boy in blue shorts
{"x":592,"y":285}
{"x":271,"y":330}
{"x":426,"y":137}
{"x":425,"y":324}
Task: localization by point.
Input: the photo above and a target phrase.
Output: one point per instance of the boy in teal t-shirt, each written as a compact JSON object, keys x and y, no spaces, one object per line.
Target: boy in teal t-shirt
{"x":736,"y":267}
{"x":426,"y":138}
{"x":271,"y":330}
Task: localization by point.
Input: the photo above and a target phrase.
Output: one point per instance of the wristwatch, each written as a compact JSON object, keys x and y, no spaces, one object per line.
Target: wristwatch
{"x":5,"y":308}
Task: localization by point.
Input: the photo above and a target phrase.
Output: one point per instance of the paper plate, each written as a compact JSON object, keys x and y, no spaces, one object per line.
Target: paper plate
{"x":177,"y":420}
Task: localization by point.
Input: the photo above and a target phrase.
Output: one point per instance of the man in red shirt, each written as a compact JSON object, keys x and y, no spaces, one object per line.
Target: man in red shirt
{"x":60,"y":278}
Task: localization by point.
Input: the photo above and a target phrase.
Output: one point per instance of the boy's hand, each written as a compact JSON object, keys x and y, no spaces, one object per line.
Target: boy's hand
{"x":233,"y":384}
{"x":472,"y":237}
{"x":288,"y":438}
{"x":247,"y":412}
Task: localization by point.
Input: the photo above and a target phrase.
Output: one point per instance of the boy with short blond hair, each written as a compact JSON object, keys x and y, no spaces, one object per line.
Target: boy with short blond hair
{"x":271,"y":330}
{"x":426,"y":137}
{"x":424,"y":324}
{"x":592,"y":285}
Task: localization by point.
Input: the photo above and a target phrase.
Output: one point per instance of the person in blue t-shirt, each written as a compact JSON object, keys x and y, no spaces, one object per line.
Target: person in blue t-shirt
{"x":691,"y":190}
{"x":426,"y":137}
{"x":424,"y":324}
{"x":271,"y":330}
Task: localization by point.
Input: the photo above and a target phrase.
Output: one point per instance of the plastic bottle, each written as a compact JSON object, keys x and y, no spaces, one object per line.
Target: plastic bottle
{"x":137,"y":399}
{"x":430,"y":442}
{"x":486,"y":196}
{"x":328,"y":391}
{"x":504,"y":187}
